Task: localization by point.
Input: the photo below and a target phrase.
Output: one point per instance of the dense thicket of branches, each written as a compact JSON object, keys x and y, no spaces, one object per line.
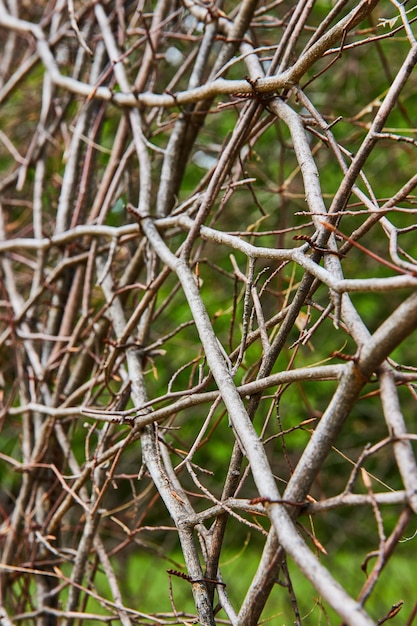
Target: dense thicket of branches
{"x":208,"y":292}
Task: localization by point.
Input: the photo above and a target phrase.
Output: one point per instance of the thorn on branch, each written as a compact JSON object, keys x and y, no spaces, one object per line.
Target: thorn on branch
{"x":316,"y":247}
{"x":238,"y":40}
{"x":394,"y":610}
{"x":174,"y":97}
{"x":174,"y":572}
{"x":213,"y":581}
{"x":345,"y":357}
{"x":134,"y":212}
{"x":265,"y":500}
{"x":262,"y":98}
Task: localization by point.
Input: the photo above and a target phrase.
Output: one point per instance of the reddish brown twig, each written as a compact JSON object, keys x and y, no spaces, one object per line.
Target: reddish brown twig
{"x":371,"y":254}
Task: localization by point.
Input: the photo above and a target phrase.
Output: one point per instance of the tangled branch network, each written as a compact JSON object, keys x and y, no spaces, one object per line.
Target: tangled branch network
{"x":207,"y":313}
